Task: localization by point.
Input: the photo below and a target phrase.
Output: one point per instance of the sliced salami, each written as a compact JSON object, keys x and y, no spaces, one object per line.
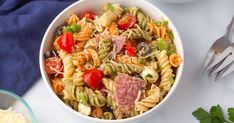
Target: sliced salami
{"x":126,"y":91}
{"x":119,"y":42}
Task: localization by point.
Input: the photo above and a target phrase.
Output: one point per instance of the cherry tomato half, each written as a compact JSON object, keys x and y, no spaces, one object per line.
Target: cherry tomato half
{"x":127,"y":21}
{"x":93,"y":78}
{"x":66,"y":41}
{"x":53,"y":65}
{"x":88,"y":15}
{"x":130,"y":49}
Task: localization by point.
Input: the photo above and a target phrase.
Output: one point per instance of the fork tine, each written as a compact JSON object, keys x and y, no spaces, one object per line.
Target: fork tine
{"x":219,"y":57}
{"x":225,"y":63}
{"x":208,"y":58}
{"x":227,"y":70}
{"x":211,"y":70}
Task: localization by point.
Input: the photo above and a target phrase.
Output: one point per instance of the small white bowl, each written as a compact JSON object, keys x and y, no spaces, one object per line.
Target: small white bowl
{"x":96,"y":6}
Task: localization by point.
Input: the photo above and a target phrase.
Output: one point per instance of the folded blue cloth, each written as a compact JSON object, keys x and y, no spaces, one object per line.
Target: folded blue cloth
{"x":22,"y":26}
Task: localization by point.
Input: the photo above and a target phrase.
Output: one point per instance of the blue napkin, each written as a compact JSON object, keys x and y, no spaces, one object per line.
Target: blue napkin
{"x":22,"y":26}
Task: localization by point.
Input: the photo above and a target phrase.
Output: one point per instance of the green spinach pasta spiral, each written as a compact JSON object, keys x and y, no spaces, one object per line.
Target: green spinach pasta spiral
{"x":104,"y":49}
{"x":71,"y":91}
{"x":77,"y":78}
{"x":95,"y":98}
{"x":110,"y":100}
{"x":137,"y":33}
{"x":72,"y":103}
{"x":153,"y":49}
{"x":112,"y":69}
{"x":109,"y":84}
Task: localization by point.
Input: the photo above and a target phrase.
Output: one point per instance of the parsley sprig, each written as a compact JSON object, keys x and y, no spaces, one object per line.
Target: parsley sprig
{"x":214,"y":116}
{"x":110,"y":7}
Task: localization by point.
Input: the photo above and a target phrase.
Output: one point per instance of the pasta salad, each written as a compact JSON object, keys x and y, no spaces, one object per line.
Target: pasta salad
{"x":115,"y":65}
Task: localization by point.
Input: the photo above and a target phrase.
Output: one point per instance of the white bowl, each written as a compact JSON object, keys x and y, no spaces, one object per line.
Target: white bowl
{"x":175,"y":1}
{"x":97,"y":6}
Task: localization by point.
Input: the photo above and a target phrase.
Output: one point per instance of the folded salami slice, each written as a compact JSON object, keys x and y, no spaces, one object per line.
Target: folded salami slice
{"x":126,"y":91}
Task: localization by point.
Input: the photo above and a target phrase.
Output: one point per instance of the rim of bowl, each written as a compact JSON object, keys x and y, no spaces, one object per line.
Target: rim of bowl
{"x":22,"y":101}
{"x":178,"y":76}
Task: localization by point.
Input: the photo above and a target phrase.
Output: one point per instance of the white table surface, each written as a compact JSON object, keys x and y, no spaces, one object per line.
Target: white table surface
{"x":199,"y":24}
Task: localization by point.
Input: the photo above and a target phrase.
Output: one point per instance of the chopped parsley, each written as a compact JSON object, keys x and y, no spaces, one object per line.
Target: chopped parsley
{"x":141,"y":60}
{"x":171,"y":35}
{"x":73,"y":28}
{"x":83,"y":98}
{"x":110,"y":7}
{"x":171,"y":79}
{"x":114,"y":72}
{"x":149,"y":76}
{"x":162,"y":22}
{"x":161,"y":44}
{"x":165,"y":22}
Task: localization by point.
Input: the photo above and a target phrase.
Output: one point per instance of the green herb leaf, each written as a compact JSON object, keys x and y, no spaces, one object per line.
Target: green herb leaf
{"x":114,"y":72}
{"x":75,"y":28}
{"x":231,"y":114}
{"x":216,"y":120}
{"x":149,"y":76}
{"x":162,"y":22}
{"x":162,"y":44}
{"x":217,"y":112}
{"x":171,"y":35}
{"x":67,"y":29}
{"x":110,"y":7}
{"x":171,"y":79}
{"x":206,"y":120}
{"x":165,"y":22}
{"x":72,"y":28}
{"x":83,"y":98}
{"x":201,"y":114}
{"x":141,"y":60}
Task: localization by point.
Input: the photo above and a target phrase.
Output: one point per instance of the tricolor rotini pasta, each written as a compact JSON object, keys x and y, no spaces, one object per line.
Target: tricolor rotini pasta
{"x":114,"y":65}
{"x":165,"y":71}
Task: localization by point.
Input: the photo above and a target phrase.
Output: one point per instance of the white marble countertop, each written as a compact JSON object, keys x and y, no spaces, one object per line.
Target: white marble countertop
{"x":199,"y":24}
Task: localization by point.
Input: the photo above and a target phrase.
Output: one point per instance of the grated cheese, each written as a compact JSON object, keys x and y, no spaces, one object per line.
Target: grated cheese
{"x":11,"y":116}
{"x":151,"y":54}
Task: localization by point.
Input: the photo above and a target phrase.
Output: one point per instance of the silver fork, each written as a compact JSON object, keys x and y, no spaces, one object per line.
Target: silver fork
{"x":217,"y":47}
